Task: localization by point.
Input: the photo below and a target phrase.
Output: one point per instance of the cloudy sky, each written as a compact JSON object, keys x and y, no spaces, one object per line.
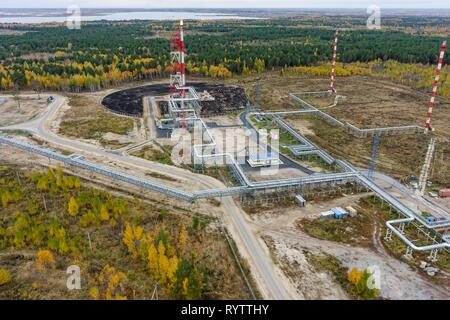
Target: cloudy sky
{"x":225,"y":3}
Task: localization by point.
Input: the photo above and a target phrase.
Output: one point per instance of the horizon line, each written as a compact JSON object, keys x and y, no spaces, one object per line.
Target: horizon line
{"x":194,"y":7}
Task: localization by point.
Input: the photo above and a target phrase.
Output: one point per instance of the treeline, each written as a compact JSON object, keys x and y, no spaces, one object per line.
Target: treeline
{"x":105,"y":54}
{"x":413,"y":75}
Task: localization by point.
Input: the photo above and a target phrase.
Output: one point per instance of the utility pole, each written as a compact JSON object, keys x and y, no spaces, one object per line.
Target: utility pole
{"x":155,"y":293}
{"x":258,"y":96}
{"x":374,"y":156}
{"x":248,"y":109}
{"x":90,"y":242}
{"x":45,"y":203}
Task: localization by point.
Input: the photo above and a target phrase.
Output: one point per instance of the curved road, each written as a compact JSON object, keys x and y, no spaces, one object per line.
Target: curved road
{"x":267,"y":276}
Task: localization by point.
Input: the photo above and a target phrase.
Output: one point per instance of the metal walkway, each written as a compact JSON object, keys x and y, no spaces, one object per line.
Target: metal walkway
{"x":358,"y":132}
{"x":78,"y":162}
{"x":305,"y":142}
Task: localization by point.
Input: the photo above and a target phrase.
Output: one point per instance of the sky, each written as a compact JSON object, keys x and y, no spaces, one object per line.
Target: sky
{"x":432,"y":4}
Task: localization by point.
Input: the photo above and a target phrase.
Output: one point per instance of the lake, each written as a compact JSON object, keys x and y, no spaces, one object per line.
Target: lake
{"x":118,"y":16}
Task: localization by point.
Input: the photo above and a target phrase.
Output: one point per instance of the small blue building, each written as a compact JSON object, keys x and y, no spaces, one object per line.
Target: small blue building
{"x":339,"y":213}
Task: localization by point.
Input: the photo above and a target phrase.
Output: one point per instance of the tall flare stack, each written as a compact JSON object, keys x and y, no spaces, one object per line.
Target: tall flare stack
{"x":435,"y":86}
{"x":178,"y":80}
{"x":183,"y":101}
{"x":178,"y":61}
{"x":332,"y":89}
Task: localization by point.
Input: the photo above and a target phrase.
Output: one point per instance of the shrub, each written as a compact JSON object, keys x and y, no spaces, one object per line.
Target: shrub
{"x":73,"y":208}
{"x":44,"y":260}
{"x":360,"y":281}
{"x":5,"y":277}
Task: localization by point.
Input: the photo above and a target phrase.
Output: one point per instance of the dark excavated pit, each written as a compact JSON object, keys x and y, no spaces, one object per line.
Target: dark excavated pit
{"x":129,"y":101}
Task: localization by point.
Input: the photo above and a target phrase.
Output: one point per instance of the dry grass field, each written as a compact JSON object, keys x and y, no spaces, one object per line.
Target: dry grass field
{"x":368,"y":103}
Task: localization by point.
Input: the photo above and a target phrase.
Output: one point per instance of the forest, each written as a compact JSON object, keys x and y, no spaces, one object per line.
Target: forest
{"x":125,"y":247}
{"x":104,"y":54}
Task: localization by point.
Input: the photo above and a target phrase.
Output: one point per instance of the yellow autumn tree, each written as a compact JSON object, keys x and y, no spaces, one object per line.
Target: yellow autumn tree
{"x":354,"y":276}
{"x":245,"y":70}
{"x":182,"y":238}
{"x":131,"y":238}
{"x":360,"y":280}
{"x":104,"y":214}
{"x":44,"y":260}
{"x":94,"y":293}
{"x":51,"y":175}
{"x":6,"y":198}
{"x":5,"y":277}
{"x":128,"y":239}
{"x":68,"y":182}
{"x":171,"y":270}
{"x":163,"y":263}
{"x":152,"y":258}
{"x":77,"y":183}
{"x":73,"y":208}
{"x":185,"y":287}
{"x":62,"y":246}
{"x":59,"y":176}
{"x":260,"y":65}
{"x":42,"y":184}
{"x":112,"y":285}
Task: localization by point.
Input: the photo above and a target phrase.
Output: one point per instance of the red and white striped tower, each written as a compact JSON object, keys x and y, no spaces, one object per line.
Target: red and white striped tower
{"x":178,"y":64}
{"x":332,"y":90}
{"x":182,"y":51}
{"x":435,"y":86}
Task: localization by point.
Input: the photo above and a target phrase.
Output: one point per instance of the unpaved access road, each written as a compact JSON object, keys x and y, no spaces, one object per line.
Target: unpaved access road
{"x":269,"y":278}
{"x":290,"y":245}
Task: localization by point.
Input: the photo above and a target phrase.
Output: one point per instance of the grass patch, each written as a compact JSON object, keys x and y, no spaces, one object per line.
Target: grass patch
{"x":331,"y":265}
{"x":215,"y":202}
{"x":287,"y":139}
{"x":152,"y":154}
{"x":221,"y":173}
{"x":351,"y":230}
{"x":113,"y":144}
{"x":399,"y":156}
{"x":316,"y":162}
{"x":160,"y":176}
{"x":96,"y":128}
{"x":86,"y":119}
{"x":22,"y":133}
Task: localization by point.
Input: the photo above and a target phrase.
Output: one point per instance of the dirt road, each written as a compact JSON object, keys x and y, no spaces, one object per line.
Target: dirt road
{"x":268,"y":277}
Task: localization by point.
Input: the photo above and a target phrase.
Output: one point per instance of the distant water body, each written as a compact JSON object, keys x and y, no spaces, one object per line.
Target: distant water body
{"x":120,"y":16}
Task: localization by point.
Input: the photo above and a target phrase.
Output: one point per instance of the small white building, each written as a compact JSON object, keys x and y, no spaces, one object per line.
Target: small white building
{"x":300,"y":201}
{"x":327,"y":215}
{"x":264,"y":159}
{"x":352,"y":211}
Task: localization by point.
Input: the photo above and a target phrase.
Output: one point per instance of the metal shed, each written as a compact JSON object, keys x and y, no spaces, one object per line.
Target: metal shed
{"x":300,"y":200}
{"x":339,"y":213}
